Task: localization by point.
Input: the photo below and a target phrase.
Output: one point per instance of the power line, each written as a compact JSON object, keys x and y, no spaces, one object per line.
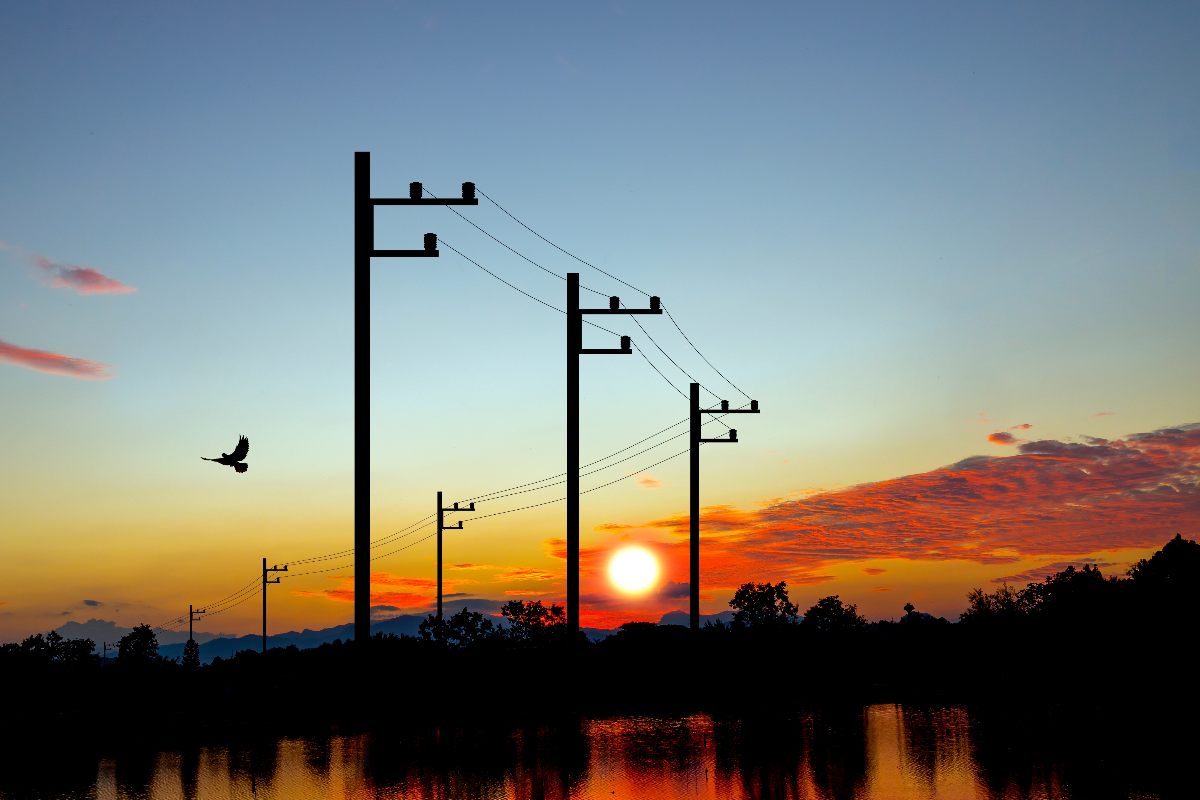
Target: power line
{"x":509,"y":247}
{"x":516,"y":288}
{"x":706,"y":361}
{"x":560,"y":249}
{"x":619,"y":280}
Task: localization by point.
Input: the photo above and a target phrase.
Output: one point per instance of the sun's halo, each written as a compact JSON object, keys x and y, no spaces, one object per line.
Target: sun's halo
{"x":633,"y":569}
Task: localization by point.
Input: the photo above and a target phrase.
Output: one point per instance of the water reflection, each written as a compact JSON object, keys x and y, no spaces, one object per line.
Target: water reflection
{"x":873,"y":753}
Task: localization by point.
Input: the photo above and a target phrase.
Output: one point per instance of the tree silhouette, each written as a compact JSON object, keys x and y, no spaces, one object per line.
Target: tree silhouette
{"x":1005,"y":604}
{"x":1175,"y":566}
{"x":462,"y":629}
{"x":762,"y":605}
{"x":532,"y":620}
{"x":139,"y":646}
{"x":830,"y":615}
{"x":191,"y":655}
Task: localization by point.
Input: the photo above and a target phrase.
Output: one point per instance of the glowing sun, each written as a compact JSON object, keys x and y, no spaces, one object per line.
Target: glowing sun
{"x":633,"y":569}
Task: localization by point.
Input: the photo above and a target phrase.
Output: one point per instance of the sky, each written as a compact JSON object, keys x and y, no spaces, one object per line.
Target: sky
{"x":950,"y":249}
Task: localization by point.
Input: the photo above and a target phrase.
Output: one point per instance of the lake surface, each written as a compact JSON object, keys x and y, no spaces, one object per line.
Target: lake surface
{"x":880,"y":752}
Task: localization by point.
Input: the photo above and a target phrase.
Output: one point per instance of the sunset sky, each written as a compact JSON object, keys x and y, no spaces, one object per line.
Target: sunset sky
{"x":951,"y":249}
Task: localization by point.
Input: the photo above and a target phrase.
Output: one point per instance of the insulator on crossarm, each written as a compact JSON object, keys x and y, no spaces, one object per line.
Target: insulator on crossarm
{"x":414,"y":190}
{"x":431,"y":241}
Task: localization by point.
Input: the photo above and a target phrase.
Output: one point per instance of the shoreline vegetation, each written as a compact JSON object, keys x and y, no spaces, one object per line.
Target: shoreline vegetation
{"x":1085,"y":648}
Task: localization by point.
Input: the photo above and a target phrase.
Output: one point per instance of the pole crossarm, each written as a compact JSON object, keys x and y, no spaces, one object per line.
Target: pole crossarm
{"x":442,"y":511}
{"x":626,"y":349}
{"x":731,"y":439}
{"x":429,"y":250}
{"x":725,"y":409}
{"x":416,"y":197}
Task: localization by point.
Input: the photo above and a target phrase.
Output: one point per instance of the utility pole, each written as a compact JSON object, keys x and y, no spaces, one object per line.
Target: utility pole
{"x":575,"y":349}
{"x":364,"y":250}
{"x":697,"y":439}
{"x":265,"y":581}
{"x":196,"y":614}
{"x":442,"y":526}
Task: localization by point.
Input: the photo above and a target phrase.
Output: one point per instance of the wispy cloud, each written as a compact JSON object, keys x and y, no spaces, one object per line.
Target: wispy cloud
{"x":1045,"y":571}
{"x":80,"y":279}
{"x":649,"y":481}
{"x":525,"y":574}
{"x":54,"y":363}
{"x":93,"y":603}
{"x":386,"y":590}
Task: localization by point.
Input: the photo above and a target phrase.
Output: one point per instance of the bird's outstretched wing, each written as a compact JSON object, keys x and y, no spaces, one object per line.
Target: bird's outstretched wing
{"x":241,"y":451}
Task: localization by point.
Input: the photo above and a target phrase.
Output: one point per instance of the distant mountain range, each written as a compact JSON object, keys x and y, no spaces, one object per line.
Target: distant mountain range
{"x":224,"y":645}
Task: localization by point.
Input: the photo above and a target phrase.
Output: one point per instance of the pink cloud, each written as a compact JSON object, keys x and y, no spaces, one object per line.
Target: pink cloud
{"x":649,"y":481}
{"x":80,"y":279}
{"x":1024,"y":426}
{"x":54,"y":363}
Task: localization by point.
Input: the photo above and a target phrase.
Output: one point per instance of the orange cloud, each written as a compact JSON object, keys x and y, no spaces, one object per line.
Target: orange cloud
{"x":873,"y":571}
{"x":1052,"y":498}
{"x":649,"y":481}
{"x":1002,"y":437}
{"x":54,"y":363}
{"x":397,"y":591}
{"x":525,"y":574}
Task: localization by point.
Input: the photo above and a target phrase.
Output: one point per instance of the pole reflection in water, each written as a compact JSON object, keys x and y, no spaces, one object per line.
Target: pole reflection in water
{"x":881,"y":752}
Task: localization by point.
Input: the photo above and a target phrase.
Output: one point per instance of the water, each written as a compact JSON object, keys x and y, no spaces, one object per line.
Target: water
{"x":881,"y":752}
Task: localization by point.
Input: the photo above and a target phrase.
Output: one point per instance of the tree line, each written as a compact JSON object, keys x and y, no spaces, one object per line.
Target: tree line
{"x":1075,"y":632}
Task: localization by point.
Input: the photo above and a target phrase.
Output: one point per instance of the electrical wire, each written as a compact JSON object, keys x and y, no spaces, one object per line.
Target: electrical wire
{"x":560,"y":249}
{"x":566,"y":252}
{"x":508,"y":247}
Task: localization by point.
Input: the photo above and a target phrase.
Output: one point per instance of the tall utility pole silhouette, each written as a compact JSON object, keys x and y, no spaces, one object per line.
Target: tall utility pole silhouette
{"x":265,"y":581}
{"x":364,"y":249}
{"x":694,"y":475}
{"x":442,"y":526}
{"x":194,"y":615}
{"x":575,"y":349}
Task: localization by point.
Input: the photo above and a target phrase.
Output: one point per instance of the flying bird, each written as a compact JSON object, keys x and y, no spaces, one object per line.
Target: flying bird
{"x":236,"y":459}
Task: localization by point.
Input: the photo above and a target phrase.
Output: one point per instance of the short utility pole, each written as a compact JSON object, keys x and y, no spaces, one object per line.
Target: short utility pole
{"x":694,"y":475}
{"x":575,"y":349}
{"x":265,"y":581}
{"x":195,"y":614}
{"x":364,"y":250}
{"x":442,"y":526}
